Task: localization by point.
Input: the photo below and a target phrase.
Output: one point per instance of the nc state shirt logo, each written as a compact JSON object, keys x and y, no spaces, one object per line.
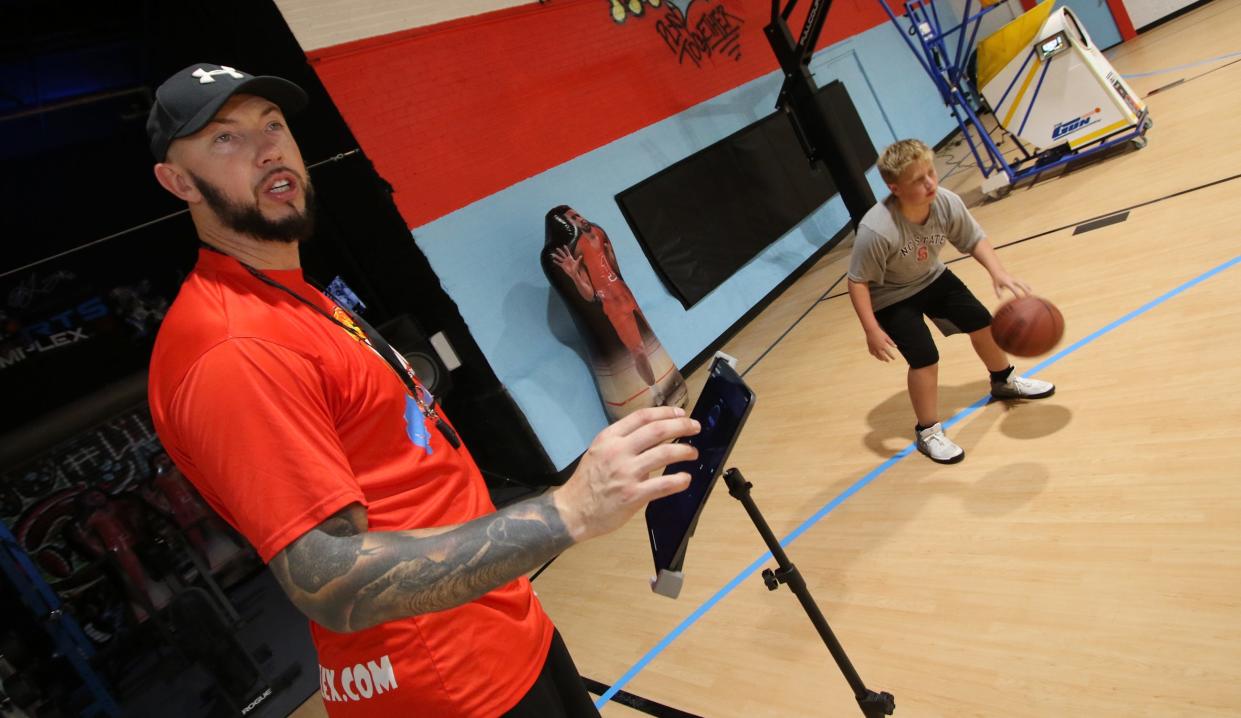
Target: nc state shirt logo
{"x":923,"y":253}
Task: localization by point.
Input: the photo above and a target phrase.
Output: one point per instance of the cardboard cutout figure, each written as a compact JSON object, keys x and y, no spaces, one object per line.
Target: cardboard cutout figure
{"x":631,"y":367}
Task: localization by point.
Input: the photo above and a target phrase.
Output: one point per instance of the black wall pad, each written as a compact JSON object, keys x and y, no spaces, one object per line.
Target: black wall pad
{"x":703,"y":218}
{"x":1096,"y":224}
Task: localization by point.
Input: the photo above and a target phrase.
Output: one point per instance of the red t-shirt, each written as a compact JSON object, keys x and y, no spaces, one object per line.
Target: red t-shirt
{"x":281,"y":419}
{"x":616,"y":295}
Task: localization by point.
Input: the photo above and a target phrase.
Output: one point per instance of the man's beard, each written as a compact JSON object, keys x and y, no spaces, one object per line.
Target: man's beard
{"x":249,"y":220}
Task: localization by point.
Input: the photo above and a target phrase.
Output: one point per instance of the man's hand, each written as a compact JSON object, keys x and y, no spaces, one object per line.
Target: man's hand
{"x":348,"y":578}
{"x":566,"y":261}
{"x":613,"y":479}
{"x":881,"y":345}
{"x":572,"y":266}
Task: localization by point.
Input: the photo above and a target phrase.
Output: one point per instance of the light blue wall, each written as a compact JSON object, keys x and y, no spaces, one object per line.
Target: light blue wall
{"x":995,"y":18}
{"x":487,"y":254}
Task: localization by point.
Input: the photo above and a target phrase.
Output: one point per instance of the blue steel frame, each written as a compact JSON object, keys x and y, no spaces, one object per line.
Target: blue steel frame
{"x":66,"y":635}
{"x":932,"y":53}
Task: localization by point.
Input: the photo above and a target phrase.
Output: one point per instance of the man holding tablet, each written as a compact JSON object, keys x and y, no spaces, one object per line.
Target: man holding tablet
{"x":307,"y":433}
{"x":721,"y":410}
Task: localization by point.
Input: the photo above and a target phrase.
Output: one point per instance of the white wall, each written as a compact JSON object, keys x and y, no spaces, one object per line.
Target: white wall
{"x":322,"y":23}
{"x":1144,"y":12}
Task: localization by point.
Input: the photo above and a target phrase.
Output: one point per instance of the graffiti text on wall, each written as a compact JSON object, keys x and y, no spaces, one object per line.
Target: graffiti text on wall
{"x":700,"y":30}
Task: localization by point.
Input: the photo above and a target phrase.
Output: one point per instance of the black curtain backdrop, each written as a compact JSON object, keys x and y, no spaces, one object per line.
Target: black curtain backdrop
{"x":76,"y":81}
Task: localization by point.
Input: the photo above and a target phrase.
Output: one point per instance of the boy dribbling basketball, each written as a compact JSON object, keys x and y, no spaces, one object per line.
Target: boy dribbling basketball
{"x":896,"y":277}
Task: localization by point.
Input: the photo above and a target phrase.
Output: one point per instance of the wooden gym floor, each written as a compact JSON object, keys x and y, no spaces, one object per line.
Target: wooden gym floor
{"x":1084,"y":559}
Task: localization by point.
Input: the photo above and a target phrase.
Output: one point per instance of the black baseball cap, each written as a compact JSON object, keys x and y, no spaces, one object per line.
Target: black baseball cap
{"x":187,"y":101}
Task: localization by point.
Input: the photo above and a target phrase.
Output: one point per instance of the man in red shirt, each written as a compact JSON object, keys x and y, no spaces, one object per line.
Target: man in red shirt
{"x":294,"y":426}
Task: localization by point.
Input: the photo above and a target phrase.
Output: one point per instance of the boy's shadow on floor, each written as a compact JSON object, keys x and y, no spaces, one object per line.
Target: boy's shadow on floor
{"x":998,"y":492}
{"x":892,"y":421}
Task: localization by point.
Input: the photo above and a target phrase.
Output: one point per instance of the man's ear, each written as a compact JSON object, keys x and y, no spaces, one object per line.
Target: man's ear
{"x":176,"y":181}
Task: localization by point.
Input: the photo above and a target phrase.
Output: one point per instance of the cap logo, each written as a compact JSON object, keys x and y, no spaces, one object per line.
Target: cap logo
{"x":206,"y":77}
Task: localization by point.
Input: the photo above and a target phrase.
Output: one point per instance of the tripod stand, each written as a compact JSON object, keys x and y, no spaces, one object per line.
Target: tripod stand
{"x":873,"y":705}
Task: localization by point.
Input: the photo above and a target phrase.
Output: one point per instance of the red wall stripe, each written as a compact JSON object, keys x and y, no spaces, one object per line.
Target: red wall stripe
{"x":457,"y":111}
{"x":1123,"y":22}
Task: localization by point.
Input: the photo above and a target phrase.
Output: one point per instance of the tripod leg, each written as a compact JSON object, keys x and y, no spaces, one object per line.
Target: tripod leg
{"x":873,"y":705}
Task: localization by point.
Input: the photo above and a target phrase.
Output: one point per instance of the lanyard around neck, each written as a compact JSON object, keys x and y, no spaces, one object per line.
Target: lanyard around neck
{"x":362,"y":331}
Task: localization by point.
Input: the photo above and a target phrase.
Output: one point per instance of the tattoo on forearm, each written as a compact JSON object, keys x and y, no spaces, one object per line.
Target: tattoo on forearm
{"x":349,"y":581}
{"x":316,"y":559}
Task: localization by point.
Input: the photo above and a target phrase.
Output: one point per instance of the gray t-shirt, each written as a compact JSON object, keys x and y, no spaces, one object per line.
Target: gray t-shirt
{"x":898,"y":258}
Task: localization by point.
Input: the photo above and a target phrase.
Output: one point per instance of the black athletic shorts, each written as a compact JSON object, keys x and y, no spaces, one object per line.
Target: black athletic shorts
{"x":558,"y":692}
{"x":948,"y":303}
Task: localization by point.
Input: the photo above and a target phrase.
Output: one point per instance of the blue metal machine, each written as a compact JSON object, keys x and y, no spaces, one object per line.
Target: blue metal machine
{"x":66,"y":635}
{"x":1079,"y":106}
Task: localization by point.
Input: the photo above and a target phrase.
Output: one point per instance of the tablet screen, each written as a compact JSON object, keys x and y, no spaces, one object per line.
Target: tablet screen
{"x":721,"y":409}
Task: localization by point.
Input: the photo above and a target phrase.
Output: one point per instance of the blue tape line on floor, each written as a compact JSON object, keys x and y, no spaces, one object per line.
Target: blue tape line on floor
{"x":880,"y":470}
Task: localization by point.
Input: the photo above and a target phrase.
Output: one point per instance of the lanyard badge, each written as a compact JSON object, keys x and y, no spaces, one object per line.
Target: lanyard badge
{"x":341,"y":317}
{"x":364,"y":333}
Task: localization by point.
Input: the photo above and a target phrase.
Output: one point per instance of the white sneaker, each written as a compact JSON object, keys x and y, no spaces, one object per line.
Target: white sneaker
{"x":937,"y":447}
{"x":1019,"y":387}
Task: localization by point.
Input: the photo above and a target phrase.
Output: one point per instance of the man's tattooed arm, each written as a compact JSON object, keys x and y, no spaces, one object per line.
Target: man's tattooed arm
{"x":347,"y":579}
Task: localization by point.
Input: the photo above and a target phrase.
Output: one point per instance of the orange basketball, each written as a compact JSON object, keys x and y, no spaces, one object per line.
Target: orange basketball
{"x":1027,"y":326}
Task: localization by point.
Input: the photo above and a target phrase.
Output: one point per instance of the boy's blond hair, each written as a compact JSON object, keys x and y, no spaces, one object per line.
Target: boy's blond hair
{"x":901,"y":154}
